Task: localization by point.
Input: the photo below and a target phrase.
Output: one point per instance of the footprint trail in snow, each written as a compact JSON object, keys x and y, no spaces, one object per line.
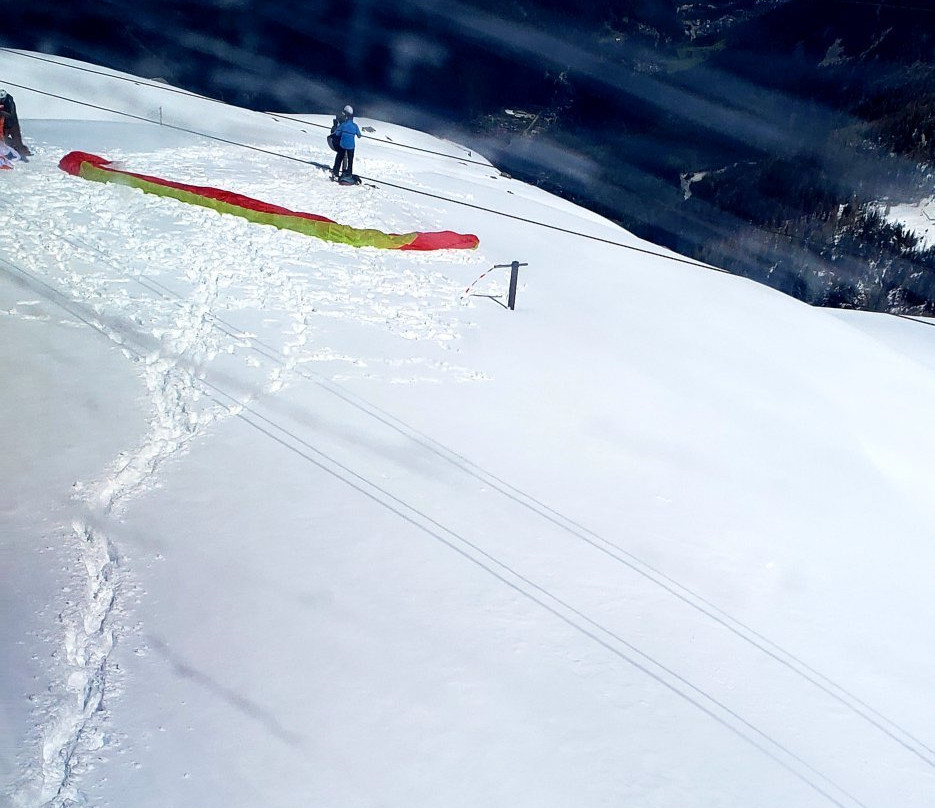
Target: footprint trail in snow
{"x":206,"y":290}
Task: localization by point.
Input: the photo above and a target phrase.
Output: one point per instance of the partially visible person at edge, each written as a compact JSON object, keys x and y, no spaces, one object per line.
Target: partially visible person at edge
{"x":12,"y":135}
{"x":345,"y":133}
{"x":8,"y":154}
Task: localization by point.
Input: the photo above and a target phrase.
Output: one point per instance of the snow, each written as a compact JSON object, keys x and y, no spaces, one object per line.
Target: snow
{"x":288,"y":521}
{"x":918,"y":218}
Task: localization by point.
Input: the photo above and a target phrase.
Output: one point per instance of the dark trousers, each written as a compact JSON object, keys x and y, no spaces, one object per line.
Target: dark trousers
{"x":343,"y":161}
{"x":14,"y":137}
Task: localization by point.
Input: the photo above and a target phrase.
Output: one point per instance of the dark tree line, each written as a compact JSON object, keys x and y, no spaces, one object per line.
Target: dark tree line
{"x":796,"y":234}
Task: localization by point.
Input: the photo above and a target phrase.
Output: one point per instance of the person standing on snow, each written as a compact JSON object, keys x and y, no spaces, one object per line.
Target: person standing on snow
{"x":345,"y":133}
{"x":12,"y":135}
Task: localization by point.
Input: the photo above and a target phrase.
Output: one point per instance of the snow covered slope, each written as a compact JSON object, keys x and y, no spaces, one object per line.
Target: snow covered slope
{"x":288,"y":522}
{"x":918,"y":218}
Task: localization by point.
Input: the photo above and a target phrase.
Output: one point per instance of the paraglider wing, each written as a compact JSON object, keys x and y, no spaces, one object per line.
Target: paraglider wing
{"x":98,"y":169}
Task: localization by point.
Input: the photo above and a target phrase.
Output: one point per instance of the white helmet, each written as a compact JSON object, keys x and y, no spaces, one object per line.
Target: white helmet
{"x":349,"y":110}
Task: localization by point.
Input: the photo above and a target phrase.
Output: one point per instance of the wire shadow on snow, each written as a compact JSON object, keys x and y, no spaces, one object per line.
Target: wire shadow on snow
{"x":241,"y":703}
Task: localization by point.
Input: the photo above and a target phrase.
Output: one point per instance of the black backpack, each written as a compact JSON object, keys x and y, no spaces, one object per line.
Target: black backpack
{"x":334,"y":140}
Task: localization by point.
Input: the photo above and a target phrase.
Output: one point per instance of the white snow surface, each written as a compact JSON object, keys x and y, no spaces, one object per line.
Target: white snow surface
{"x":288,"y":523}
{"x":918,"y":218}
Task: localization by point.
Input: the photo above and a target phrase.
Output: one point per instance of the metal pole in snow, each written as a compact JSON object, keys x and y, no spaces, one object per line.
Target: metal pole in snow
{"x":514,"y":277}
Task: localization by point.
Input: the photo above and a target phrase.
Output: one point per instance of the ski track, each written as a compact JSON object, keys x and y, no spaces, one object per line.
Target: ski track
{"x":181,"y":291}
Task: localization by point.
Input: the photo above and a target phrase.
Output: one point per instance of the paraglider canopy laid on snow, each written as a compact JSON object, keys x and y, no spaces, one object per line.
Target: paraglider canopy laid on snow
{"x":92,"y":167}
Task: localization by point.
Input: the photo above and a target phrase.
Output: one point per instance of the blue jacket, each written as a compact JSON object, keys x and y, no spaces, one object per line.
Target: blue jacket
{"x":347,"y":131}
